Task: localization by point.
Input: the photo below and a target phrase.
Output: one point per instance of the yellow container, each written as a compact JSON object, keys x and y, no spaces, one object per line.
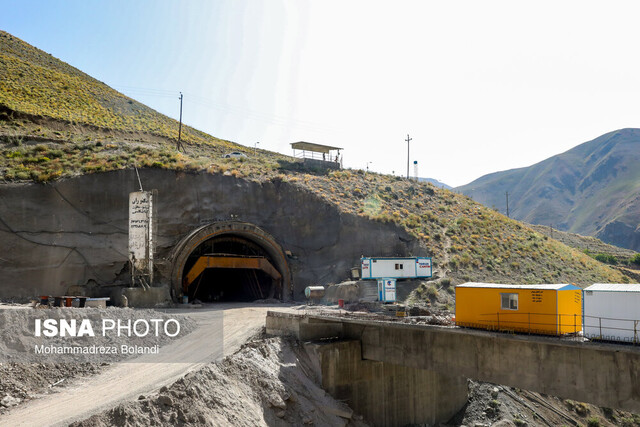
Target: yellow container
{"x":538,"y":309}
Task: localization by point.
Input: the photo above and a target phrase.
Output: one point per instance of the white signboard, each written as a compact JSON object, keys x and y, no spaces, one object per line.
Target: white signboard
{"x":140,"y":233}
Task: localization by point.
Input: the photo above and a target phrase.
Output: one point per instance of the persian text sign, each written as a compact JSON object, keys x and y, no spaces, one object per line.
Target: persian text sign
{"x":140,"y":231}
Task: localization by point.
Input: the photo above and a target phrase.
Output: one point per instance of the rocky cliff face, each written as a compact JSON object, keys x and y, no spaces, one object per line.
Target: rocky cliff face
{"x":71,"y":236}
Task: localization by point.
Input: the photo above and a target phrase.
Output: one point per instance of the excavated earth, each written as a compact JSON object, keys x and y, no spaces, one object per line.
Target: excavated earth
{"x":273,"y":382}
{"x":269,"y":381}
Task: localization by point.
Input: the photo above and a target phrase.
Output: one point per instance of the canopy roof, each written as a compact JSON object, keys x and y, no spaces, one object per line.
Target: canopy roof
{"x":310,"y":146}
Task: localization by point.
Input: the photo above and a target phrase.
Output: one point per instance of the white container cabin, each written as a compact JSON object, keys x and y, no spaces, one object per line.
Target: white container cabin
{"x":395,"y":268}
{"x":612,"y":312}
{"x":387,"y":290}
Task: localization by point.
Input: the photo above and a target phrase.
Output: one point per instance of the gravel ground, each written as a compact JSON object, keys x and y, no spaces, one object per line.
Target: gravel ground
{"x":21,"y":379}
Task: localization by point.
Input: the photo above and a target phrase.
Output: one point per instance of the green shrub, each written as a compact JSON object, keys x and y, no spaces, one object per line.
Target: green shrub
{"x":432,"y":293}
{"x":607,"y":259}
{"x":593,"y":422}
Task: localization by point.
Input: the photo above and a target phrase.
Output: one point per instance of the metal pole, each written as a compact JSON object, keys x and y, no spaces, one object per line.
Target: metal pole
{"x":507,"y":194}
{"x":408,"y":141}
{"x":559,"y":327}
{"x":600,"y":322}
{"x":180,"y":126}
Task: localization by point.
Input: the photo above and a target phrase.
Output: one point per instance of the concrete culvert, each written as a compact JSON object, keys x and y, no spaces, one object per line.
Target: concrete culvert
{"x":230,"y":261}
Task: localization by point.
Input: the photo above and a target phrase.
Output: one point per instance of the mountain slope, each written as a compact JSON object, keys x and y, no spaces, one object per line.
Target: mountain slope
{"x":436,"y":183}
{"x":33,"y":82}
{"x":591,"y":189}
{"x":46,"y":138}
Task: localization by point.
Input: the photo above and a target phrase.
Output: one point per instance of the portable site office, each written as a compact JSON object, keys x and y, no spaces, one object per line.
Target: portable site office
{"x":395,"y":268}
{"x":540,"y":309}
{"x":612,"y":312}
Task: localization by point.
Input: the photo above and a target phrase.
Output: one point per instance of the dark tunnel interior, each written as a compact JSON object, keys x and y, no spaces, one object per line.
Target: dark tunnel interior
{"x":230,"y":284}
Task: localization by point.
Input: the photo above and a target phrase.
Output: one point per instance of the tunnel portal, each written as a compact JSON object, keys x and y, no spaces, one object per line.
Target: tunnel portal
{"x":230,"y":261}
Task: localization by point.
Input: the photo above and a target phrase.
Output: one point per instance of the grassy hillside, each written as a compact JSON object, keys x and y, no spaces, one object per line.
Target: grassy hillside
{"x":588,"y":244}
{"x":91,"y":128}
{"x":590,"y":190}
{"x":35,"y":83}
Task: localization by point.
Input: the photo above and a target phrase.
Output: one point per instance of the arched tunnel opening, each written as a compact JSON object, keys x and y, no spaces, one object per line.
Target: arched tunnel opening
{"x":230,"y":267}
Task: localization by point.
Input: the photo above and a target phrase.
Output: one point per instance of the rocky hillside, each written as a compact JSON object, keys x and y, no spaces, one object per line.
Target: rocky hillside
{"x":591,"y":189}
{"x":57,"y":123}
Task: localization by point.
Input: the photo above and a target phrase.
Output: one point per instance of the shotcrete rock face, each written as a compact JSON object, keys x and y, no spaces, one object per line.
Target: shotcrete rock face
{"x":72,"y":235}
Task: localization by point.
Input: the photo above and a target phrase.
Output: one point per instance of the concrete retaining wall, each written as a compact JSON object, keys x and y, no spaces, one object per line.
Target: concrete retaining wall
{"x":388,"y":394}
{"x":603,"y":374}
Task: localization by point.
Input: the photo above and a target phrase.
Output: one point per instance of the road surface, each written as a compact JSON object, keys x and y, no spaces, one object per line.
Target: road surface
{"x":126,"y":381}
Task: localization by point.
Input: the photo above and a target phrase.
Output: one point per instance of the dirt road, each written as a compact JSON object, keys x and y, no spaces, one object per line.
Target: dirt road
{"x":126,"y":381}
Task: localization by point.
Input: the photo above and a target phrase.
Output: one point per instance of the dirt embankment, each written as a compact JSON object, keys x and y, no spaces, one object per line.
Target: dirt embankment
{"x":269,"y":381}
{"x":496,"y":405}
{"x":24,"y":375}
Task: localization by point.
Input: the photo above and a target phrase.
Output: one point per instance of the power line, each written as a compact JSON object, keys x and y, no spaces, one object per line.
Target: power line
{"x":240,"y":111}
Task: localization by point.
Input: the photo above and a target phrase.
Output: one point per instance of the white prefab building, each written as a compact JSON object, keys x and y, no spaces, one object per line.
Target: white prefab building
{"x":387,"y":290}
{"x":395,"y":268}
{"x":612,"y":312}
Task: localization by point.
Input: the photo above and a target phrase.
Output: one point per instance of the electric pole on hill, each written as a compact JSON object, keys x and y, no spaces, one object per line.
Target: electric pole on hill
{"x":179,"y":144}
{"x":408,"y":141}
{"x":507,"y":194}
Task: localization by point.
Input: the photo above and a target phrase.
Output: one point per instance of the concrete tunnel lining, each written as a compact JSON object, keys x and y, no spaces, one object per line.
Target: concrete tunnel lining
{"x":245,"y":230}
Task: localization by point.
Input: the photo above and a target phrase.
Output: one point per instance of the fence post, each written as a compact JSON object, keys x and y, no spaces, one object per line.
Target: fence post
{"x":600,"y":323}
{"x":559,"y":326}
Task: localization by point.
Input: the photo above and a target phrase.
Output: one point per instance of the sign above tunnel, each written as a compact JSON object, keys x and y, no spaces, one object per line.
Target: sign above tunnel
{"x":141,"y":235}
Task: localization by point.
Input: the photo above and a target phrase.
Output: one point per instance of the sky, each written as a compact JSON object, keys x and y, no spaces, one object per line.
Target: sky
{"x":480,"y":86}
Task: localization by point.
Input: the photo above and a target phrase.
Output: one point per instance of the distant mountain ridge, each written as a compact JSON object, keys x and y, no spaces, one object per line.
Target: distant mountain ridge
{"x":435,"y":182}
{"x":592,"y":189}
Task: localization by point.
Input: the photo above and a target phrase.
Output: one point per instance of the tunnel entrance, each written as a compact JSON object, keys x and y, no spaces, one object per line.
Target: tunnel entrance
{"x":230,"y":261}
{"x":227,"y":284}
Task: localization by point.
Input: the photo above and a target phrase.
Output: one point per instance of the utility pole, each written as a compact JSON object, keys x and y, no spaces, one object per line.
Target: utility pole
{"x":507,"y":194}
{"x":179,"y":145}
{"x":408,"y":141}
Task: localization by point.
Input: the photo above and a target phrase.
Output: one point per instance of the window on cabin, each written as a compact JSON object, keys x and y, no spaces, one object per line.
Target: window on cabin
{"x":509,"y":301}
{"x":399,"y":266}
